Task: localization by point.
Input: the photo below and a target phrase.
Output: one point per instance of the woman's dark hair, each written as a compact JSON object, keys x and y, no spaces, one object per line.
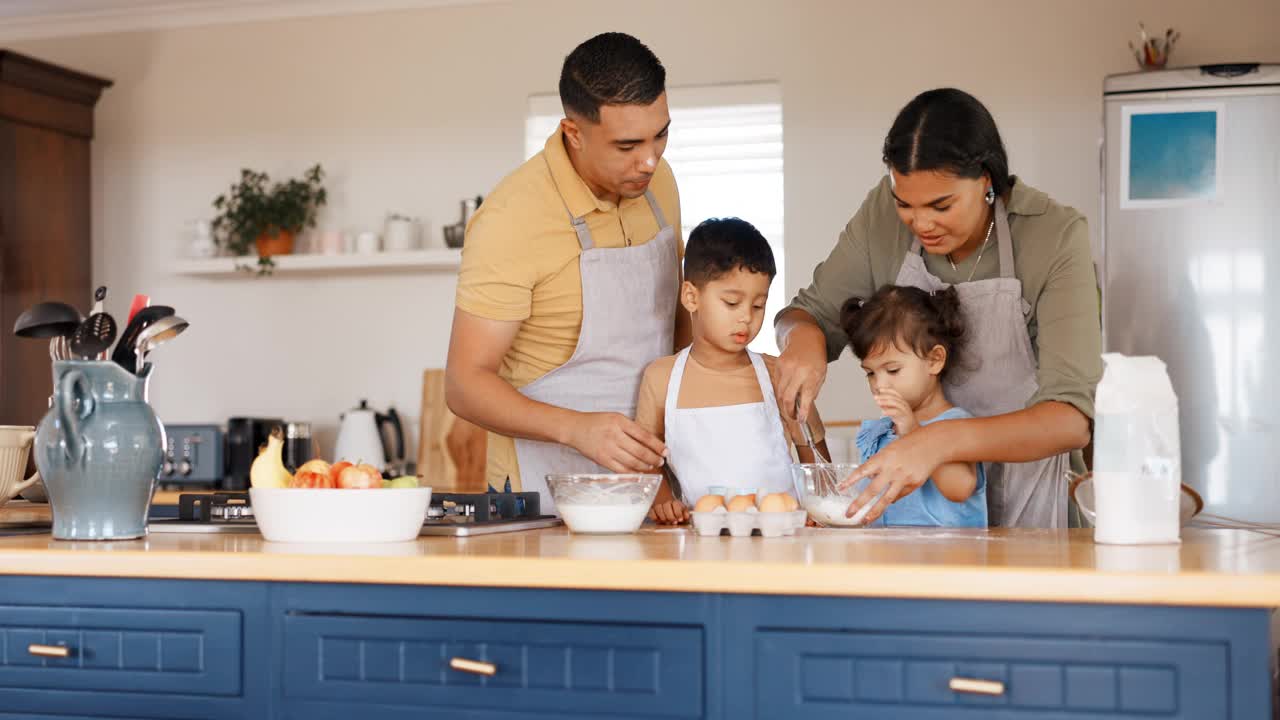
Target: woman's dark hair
{"x":909,"y":318}
{"x":719,"y":246}
{"x":610,"y":69}
{"x":948,"y":129}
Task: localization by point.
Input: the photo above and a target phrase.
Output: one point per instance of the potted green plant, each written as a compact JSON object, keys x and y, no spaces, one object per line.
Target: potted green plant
{"x":267,"y":217}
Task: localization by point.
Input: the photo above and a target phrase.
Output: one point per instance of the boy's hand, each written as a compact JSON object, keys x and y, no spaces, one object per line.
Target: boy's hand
{"x":893,"y":405}
{"x":670,"y":512}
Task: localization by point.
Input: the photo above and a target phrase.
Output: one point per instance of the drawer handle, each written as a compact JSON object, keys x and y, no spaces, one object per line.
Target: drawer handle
{"x":970,"y":686}
{"x":475,"y":667}
{"x":49,"y":651}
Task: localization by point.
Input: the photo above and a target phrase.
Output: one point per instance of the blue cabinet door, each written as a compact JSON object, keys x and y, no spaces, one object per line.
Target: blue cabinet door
{"x":898,"y":675}
{"x":171,"y":649}
{"x":593,"y":669}
{"x":927,"y":660}
{"x":195,"y":652}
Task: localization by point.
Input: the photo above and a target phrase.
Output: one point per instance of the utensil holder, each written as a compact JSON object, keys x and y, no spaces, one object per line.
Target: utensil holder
{"x":99,"y":450}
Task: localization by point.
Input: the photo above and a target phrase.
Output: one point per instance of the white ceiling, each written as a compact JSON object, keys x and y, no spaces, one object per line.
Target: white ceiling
{"x":25,"y":19}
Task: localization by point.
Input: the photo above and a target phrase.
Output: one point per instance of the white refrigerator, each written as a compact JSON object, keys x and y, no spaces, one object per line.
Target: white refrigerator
{"x":1191,"y":264}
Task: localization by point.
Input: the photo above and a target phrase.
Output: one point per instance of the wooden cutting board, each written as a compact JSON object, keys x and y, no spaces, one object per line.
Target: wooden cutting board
{"x":451,"y":451}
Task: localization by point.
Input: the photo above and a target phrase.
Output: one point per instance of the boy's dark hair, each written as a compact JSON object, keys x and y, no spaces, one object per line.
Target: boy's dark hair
{"x":610,"y":69}
{"x":910,"y":317}
{"x":721,"y":245}
{"x":950,"y":130}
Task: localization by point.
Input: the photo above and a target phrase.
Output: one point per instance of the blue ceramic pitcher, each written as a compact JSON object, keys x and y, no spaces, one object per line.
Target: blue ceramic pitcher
{"x":99,"y":450}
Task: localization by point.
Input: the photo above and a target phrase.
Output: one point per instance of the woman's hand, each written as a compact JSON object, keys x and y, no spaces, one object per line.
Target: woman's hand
{"x":802,"y":366}
{"x":896,"y":408}
{"x":898,"y":470}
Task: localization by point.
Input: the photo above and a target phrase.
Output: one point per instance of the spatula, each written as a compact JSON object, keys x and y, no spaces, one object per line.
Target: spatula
{"x":94,"y":336}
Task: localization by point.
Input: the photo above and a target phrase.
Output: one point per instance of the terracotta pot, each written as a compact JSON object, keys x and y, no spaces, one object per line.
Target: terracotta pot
{"x":281,"y":243}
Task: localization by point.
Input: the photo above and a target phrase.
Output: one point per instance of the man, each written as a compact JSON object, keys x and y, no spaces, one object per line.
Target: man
{"x":569,"y":281}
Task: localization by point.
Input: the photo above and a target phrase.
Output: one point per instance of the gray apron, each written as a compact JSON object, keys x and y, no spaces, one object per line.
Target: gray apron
{"x":1000,"y":378}
{"x":628,"y":314}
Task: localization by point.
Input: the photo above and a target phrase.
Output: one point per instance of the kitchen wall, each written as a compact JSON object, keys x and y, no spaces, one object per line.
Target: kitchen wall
{"x":411,"y":110}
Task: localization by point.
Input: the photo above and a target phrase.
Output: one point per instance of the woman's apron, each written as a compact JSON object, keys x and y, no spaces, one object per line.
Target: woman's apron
{"x":741,"y":446}
{"x":1000,"y":378}
{"x":628,"y":321}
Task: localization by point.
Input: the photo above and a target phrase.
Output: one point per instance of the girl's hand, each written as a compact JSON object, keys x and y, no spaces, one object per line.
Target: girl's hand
{"x":898,"y":469}
{"x":670,"y":512}
{"x":893,"y":405}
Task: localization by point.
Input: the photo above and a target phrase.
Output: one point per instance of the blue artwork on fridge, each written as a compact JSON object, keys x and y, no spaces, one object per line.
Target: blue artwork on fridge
{"x":1173,"y":155}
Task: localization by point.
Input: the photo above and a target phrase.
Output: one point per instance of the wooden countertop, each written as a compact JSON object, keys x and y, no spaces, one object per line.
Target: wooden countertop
{"x":1210,"y":567}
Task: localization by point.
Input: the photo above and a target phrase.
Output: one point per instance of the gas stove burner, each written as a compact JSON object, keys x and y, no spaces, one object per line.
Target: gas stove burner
{"x":485,"y":507}
{"x":456,"y":514}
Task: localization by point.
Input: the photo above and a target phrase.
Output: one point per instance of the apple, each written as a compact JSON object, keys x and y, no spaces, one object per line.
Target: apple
{"x":404,"y":481}
{"x":312,"y":474}
{"x":360,"y":477}
{"x":337,"y":469}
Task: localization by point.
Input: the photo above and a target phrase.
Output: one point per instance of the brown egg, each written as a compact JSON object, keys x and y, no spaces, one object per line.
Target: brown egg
{"x":740,"y":503}
{"x":776,"y":502}
{"x":792,"y":503}
{"x":708,"y":503}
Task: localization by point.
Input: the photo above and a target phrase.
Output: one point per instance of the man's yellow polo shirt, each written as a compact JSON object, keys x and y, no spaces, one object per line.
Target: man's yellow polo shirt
{"x":520,"y":263}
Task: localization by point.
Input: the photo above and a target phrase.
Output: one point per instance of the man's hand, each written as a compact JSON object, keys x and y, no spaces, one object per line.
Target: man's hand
{"x":616,"y":442}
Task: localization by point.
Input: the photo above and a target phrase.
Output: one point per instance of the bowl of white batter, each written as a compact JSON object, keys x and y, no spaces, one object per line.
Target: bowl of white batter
{"x":817,"y":486}
{"x":603,"y":504}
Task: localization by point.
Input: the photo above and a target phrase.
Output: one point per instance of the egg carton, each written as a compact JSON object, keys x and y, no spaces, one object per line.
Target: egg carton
{"x":746,"y":523}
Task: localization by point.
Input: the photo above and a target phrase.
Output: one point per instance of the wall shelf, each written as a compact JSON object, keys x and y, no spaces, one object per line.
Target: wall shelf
{"x":430,"y":260}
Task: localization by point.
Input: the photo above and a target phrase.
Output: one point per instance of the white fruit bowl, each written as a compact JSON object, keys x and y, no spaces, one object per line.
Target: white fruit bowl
{"x":305,"y":515}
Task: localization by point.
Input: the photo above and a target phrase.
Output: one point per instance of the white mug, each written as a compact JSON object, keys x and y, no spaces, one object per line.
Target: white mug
{"x":367,"y":243}
{"x":15,"y":444}
{"x":400,"y":235}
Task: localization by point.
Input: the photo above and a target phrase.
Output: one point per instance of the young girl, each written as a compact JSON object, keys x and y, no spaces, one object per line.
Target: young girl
{"x":910,"y":341}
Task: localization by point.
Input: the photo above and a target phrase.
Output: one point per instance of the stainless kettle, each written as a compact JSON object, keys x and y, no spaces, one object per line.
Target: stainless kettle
{"x":361,"y":438}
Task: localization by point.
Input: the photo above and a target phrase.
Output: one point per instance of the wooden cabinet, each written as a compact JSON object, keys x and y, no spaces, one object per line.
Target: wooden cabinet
{"x":46,"y":125}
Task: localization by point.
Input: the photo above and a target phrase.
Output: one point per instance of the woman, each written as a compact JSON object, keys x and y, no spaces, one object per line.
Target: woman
{"x":1023,"y":267}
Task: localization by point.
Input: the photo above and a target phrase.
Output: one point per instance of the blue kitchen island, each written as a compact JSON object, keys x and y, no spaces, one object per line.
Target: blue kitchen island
{"x":892,"y":624}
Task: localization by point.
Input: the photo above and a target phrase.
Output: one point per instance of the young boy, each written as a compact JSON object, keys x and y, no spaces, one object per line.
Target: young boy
{"x":713,"y":403}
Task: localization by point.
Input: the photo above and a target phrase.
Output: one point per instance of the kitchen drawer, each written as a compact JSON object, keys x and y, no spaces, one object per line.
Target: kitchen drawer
{"x":150,"y":650}
{"x":890,"y":675}
{"x":387,"y":664}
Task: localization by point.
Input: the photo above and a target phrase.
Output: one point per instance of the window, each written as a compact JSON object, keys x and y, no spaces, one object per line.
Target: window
{"x":726,"y":151}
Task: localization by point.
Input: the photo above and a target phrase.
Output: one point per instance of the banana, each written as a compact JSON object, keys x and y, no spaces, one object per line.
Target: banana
{"x":267,"y":470}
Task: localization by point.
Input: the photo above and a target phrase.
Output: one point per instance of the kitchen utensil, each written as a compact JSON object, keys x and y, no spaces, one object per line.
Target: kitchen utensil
{"x":15,"y":445}
{"x":139,"y":302}
{"x":47,"y":320}
{"x":823,"y":461}
{"x":99,"y":449}
{"x":99,"y":298}
{"x":360,"y":438}
{"x":156,"y":334}
{"x":125,"y":353}
{"x":603,"y":504}
{"x":94,"y":336}
{"x":817,"y":486}
{"x":305,"y":515}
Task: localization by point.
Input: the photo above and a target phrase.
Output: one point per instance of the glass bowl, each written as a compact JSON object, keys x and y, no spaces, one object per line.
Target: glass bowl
{"x":603,"y":504}
{"x":815,"y":485}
